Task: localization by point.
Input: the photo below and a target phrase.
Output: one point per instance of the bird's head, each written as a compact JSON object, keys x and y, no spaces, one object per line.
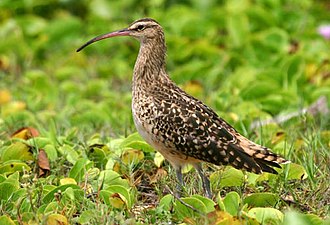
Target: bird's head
{"x":142,"y":29}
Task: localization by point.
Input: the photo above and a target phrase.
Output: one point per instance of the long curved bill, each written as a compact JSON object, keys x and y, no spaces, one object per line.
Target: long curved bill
{"x":124,"y":32}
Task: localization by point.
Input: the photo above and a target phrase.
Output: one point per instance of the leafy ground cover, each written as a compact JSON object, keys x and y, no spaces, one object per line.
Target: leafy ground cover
{"x":69,"y":152}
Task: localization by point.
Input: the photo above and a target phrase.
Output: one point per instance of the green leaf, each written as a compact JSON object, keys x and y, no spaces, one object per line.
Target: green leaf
{"x":6,"y":190}
{"x":79,"y":169}
{"x":87,"y":216}
{"x":51,"y":152}
{"x":50,"y":196}
{"x":110,"y":177}
{"x":261,"y":200}
{"x":17,"y":151}
{"x":98,"y":154}
{"x":124,"y":192}
{"x":39,"y":142}
{"x":166,"y":202}
{"x":135,"y":141}
{"x":266,"y":215}
{"x":209,"y":204}
{"x":70,"y":154}
{"x":183,"y":211}
{"x":232,"y":203}
{"x":295,"y":218}
{"x":296,"y":172}
{"x":227,"y":178}
{"x":6,"y":220}
{"x":12,"y":166}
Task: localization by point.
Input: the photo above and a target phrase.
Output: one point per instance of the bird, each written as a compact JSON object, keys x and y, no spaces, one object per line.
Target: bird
{"x":179,"y":126}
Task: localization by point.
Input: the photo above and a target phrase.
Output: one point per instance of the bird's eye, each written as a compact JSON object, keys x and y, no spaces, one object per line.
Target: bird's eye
{"x":140,"y":28}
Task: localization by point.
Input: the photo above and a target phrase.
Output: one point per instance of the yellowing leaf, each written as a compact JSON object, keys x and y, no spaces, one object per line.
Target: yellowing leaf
{"x":25,"y":133}
{"x":132,"y":156}
{"x":17,"y":151}
{"x":158,"y":159}
{"x":223,"y":218}
{"x":12,"y":166}
{"x":266,"y":215}
{"x":5,"y":97}
{"x":279,"y":136}
{"x":6,"y":220}
{"x":67,"y":180}
{"x":117,"y":201}
{"x":56,"y":219}
{"x":186,"y":168}
{"x":296,"y":171}
{"x":13,"y":107}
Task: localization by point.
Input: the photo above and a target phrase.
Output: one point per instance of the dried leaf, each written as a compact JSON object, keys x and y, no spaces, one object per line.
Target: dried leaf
{"x":25,"y":133}
{"x":43,"y":164}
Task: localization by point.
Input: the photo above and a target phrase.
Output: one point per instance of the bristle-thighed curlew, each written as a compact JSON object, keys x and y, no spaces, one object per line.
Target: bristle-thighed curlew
{"x":182,"y":128}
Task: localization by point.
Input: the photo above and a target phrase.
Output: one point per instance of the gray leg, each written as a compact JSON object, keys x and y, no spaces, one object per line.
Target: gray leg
{"x":205,"y":181}
{"x":180,"y":184}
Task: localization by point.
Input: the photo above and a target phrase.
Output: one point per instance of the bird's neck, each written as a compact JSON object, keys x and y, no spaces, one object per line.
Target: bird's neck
{"x":150,"y":64}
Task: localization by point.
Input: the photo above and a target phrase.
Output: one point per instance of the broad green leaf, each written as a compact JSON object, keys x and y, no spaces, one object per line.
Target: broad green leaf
{"x":209,"y":204}
{"x":50,"y":207}
{"x":12,"y":166}
{"x":50,"y":196}
{"x":183,"y":211}
{"x":39,"y":142}
{"x":296,"y":172}
{"x":79,"y":169}
{"x":6,"y":190}
{"x":136,"y":142}
{"x":6,"y":220}
{"x":70,"y":154}
{"x":166,"y":202}
{"x":227,"y":178}
{"x":266,"y":215}
{"x":261,"y":200}
{"x":51,"y":152}
{"x":295,"y":218}
{"x":110,"y":177}
{"x":87,"y":215}
{"x":17,"y":151}
{"x":98,"y":154}
{"x":232,"y":203}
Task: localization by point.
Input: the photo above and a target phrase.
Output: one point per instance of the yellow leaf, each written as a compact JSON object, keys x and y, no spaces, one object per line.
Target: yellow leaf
{"x":67,"y":180}
{"x":5,"y":97}
{"x":17,"y":151}
{"x":25,"y":133}
{"x":56,"y":219}
{"x":158,"y":159}
{"x":6,"y":220}
{"x":117,"y":201}
{"x":133,"y":156}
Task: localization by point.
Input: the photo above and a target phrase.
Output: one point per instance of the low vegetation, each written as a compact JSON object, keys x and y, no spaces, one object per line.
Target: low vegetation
{"x":69,"y":151}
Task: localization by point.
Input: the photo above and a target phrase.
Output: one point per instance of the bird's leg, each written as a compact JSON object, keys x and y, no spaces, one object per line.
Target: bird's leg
{"x":180,"y":183}
{"x":205,"y":180}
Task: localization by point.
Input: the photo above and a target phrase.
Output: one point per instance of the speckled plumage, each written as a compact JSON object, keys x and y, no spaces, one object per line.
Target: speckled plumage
{"x":180,"y":127}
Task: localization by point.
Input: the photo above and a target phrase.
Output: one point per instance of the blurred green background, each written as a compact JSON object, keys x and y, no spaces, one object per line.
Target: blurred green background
{"x":250,"y":60}
{"x":247,"y":59}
